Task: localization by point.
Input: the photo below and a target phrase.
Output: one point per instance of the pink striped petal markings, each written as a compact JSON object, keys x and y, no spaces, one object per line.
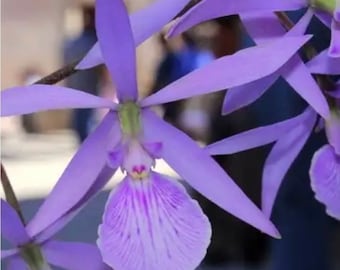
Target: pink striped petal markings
{"x":150,"y":222}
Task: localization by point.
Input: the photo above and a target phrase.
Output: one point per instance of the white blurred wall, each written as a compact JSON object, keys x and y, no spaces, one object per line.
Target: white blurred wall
{"x":32,"y":34}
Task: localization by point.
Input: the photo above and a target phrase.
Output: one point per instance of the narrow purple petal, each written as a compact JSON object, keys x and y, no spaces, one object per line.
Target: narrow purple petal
{"x":153,"y":224}
{"x":301,"y":26}
{"x":230,"y":71}
{"x":154,"y":149}
{"x":117,"y":45}
{"x":35,"y":98}
{"x":210,"y":9}
{"x":265,"y":26}
{"x":334,"y":48}
{"x":8,"y":253}
{"x":92,"y":58}
{"x":294,"y":71}
{"x":323,"y":17}
{"x":144,"y":24}
{"x":104,"y":176}
{"x":323,"y":64}
{"x":298,"y":76}
{"x":73,"y":255}
{"x":325,"y":179}
{"x":195,"y":166}
{"x":16,"y":263}
{"x":257,"y":136}
{"x":12,"y":228}
{"x":262,"y":26}
{"x":154,"y":17}
{"x":79,"y":176}
{"x":241,"y":96}
{"x":281,"y":158}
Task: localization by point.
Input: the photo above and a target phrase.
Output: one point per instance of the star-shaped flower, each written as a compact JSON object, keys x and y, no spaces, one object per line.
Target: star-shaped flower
{"x":149,"y":222}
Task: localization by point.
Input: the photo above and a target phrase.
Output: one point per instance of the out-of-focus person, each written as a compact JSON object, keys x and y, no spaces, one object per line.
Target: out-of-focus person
{"x":181,"y":56}
{"x":233,"y":241}
{"x":85,"y":80}
{"x":307,"y":231}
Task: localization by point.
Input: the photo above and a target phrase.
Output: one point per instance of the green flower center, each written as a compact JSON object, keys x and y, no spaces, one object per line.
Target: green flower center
{"x":129,"y":117}
{"x":325,"y":5}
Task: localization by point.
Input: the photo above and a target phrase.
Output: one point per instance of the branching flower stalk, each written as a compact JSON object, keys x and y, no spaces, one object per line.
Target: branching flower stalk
{"x":10,"y":194}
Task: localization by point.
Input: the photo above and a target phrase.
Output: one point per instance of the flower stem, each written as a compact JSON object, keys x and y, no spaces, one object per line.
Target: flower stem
{"x":9,"y":193}
{"x":33,"y":256}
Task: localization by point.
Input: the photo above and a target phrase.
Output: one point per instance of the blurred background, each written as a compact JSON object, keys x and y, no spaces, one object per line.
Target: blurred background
{"x":40,"y":36}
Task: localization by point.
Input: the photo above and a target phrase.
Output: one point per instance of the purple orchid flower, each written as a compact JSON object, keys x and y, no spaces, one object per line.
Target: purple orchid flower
{"x":84,"y":256}
{"x":144,"y":23}
{"x":289,"y":136}
{"x":328,"y":12}
{"x":148,"y":215}
{"x":263,"y":26}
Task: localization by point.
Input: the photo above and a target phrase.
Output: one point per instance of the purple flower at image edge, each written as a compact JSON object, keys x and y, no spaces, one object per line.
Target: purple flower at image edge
{"x":55,"y":252}
{"x":147,"y":210}
{"x":327,"y":13}
{"x":290,"y":137}
{"x":264,"y":26}
{"x":325,"y":168}
{"x":294,"y":71}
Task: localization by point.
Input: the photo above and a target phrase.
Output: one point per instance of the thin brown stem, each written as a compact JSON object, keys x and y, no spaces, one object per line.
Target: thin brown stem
{"x":59,"y":75}
{"x":285,"y":21}
{"x":9,"y":193}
